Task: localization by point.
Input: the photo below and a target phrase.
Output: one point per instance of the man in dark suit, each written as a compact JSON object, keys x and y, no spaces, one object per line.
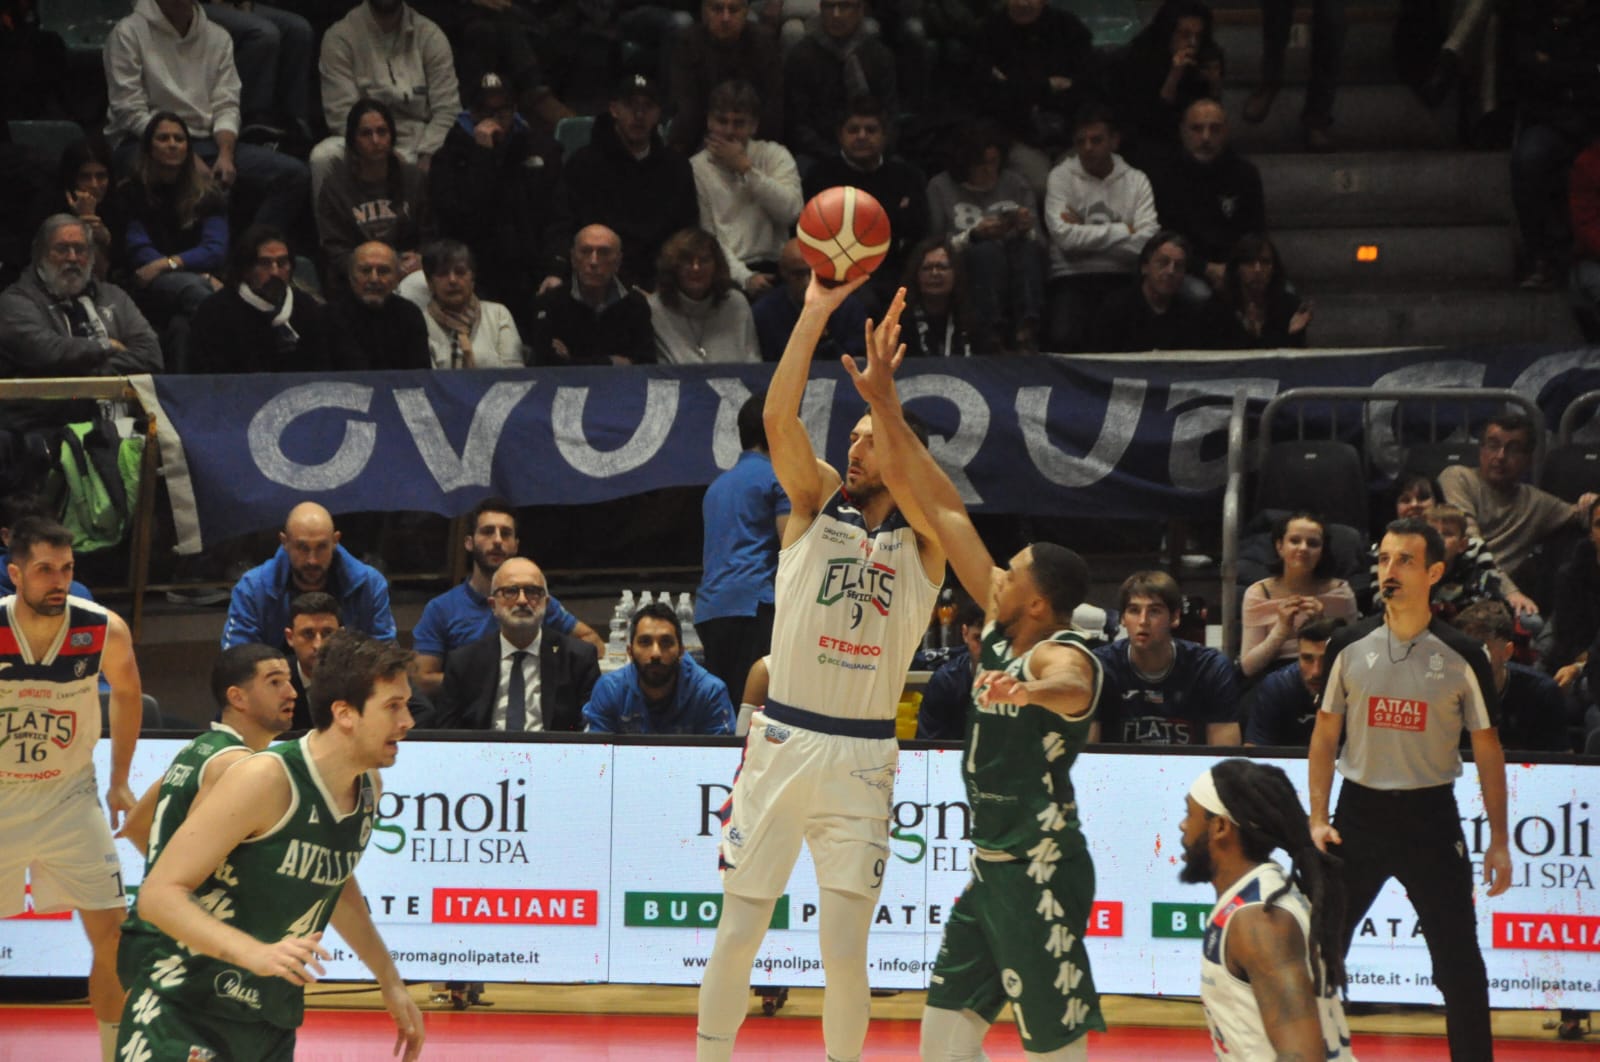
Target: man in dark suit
{"x":522,"y":676}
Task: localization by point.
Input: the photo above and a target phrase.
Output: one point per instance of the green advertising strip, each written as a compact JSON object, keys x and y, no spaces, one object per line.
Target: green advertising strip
{"x":685,"y":910}
{"x":1179,"y":919}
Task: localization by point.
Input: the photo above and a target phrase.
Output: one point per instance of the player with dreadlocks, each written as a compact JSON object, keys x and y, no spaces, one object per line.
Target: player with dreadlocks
{"x":1272,"y":963}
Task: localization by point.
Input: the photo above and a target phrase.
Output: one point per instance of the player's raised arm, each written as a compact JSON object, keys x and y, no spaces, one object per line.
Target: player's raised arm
{"x":806,"y":480}
{"x":249,"y":800}
{"x":354,"y":923}
{"x":925,"y":495}
{"x":127,"y":712}
{"x":1065,"y":682}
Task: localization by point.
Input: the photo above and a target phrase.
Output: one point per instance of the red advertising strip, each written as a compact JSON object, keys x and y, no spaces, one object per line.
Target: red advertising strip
{"x":537,"y":907}
{"x":30,"y":915}
{"x":1105,"y":919}
{"x":1547,"y":932}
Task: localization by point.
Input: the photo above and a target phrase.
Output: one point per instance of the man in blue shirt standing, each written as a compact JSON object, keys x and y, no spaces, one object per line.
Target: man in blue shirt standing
{"x":308,"y":558}
{"x":461,"y":616}
{"x":744,"y":512}
{"x":1162,"y":690}
{"x":661,"y":690}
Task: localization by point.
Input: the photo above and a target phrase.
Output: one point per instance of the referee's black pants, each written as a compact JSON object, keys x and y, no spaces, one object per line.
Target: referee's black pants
{"x":1414,"y":835}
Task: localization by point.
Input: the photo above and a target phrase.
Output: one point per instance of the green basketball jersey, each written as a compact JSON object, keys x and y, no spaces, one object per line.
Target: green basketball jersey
{"x":179,"y":786}
{"x":1018,"y":759}
{"x":282,"y":883}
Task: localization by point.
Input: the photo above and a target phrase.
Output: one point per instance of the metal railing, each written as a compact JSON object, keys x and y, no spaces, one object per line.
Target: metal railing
{"x":1462,"y":397}
{"x":1239,"y":452}
{"x":1569,"y":416}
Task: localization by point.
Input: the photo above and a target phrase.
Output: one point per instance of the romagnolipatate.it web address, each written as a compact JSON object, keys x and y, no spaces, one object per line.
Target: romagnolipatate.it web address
{"x":1498,"y":984}
{"x":467,"y":958}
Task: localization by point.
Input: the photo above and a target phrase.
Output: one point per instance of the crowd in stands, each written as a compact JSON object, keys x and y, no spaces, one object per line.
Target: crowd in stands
{"x":1077,"y":198}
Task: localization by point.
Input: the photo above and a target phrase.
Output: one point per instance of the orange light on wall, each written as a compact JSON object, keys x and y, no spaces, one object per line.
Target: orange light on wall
{"x":1367,"y":252}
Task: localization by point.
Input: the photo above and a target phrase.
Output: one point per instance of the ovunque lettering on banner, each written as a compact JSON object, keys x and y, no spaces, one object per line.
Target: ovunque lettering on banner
{"x":1139,"y":437}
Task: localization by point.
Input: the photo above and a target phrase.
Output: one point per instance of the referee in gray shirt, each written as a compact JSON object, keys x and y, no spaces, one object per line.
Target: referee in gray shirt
{"x":1401,"y":687}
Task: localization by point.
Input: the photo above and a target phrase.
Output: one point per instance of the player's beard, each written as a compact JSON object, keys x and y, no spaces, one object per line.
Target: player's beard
{"x":1197,"y":867}
{"x":45,"y":607}
{"x":522,"y":619}
{"x":656,"y":676}
{"x":480,"y":560}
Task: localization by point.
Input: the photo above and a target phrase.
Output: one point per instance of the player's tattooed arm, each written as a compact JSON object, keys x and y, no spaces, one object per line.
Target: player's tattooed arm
{"x":1265,"y":946}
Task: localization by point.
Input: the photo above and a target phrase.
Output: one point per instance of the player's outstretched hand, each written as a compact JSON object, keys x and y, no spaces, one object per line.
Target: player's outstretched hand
{"x":997,"y":687}
{"x":120,"y":800}
{"x":409,"y":1032}
{"x":1323,"y":834}
{"x":295,"y":959}
{"x":885,"y":352}
{"x":1497,"y":868}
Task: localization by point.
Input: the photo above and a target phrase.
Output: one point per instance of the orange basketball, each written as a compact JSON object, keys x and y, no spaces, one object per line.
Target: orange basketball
{"x":844,"y":233}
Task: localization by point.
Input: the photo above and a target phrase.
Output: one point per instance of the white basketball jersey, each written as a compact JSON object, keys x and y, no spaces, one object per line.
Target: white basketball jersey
{"x":851,"y":606}
{"x":50,"y":705}
{"x":1237,"y":1031}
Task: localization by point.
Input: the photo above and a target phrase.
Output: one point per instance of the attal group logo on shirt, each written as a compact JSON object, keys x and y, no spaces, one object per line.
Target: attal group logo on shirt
{"x":1397,"y":713}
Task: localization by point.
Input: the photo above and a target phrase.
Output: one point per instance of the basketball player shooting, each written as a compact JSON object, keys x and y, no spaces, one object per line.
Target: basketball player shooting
{"x":856,"y":584}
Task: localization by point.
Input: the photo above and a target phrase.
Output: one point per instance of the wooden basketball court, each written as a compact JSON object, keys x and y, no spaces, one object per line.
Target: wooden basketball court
{"x":648,"y":1024}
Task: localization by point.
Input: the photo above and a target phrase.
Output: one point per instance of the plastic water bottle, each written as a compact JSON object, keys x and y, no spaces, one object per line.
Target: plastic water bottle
{"x":617,"y":643}
{"x":691,"y":637}
{"x":645,"y":598}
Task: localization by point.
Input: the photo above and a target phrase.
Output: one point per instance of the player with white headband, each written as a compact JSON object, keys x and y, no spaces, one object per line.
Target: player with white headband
{"x":1272,"y":962}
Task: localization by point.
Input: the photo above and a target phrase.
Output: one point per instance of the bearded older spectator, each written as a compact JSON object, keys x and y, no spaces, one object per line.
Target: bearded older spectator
{"x":58,"y":320}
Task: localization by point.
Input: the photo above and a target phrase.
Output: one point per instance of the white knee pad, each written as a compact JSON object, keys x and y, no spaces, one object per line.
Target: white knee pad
{"x":952,"y":1035}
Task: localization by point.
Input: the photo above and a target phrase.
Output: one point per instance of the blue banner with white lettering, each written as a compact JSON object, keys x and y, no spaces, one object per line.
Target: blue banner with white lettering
{"x":1141,"y":437}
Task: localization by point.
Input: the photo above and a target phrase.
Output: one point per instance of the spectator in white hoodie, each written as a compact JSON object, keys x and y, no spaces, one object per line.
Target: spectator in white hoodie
{"x":384,"y":50}
{"x":168,"y":56}
{"x":749,"y":189}
{"x":1100,"y":213}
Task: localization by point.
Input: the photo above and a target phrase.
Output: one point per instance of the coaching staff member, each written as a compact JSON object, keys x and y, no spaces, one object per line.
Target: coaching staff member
{"x":1405,"y":685}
